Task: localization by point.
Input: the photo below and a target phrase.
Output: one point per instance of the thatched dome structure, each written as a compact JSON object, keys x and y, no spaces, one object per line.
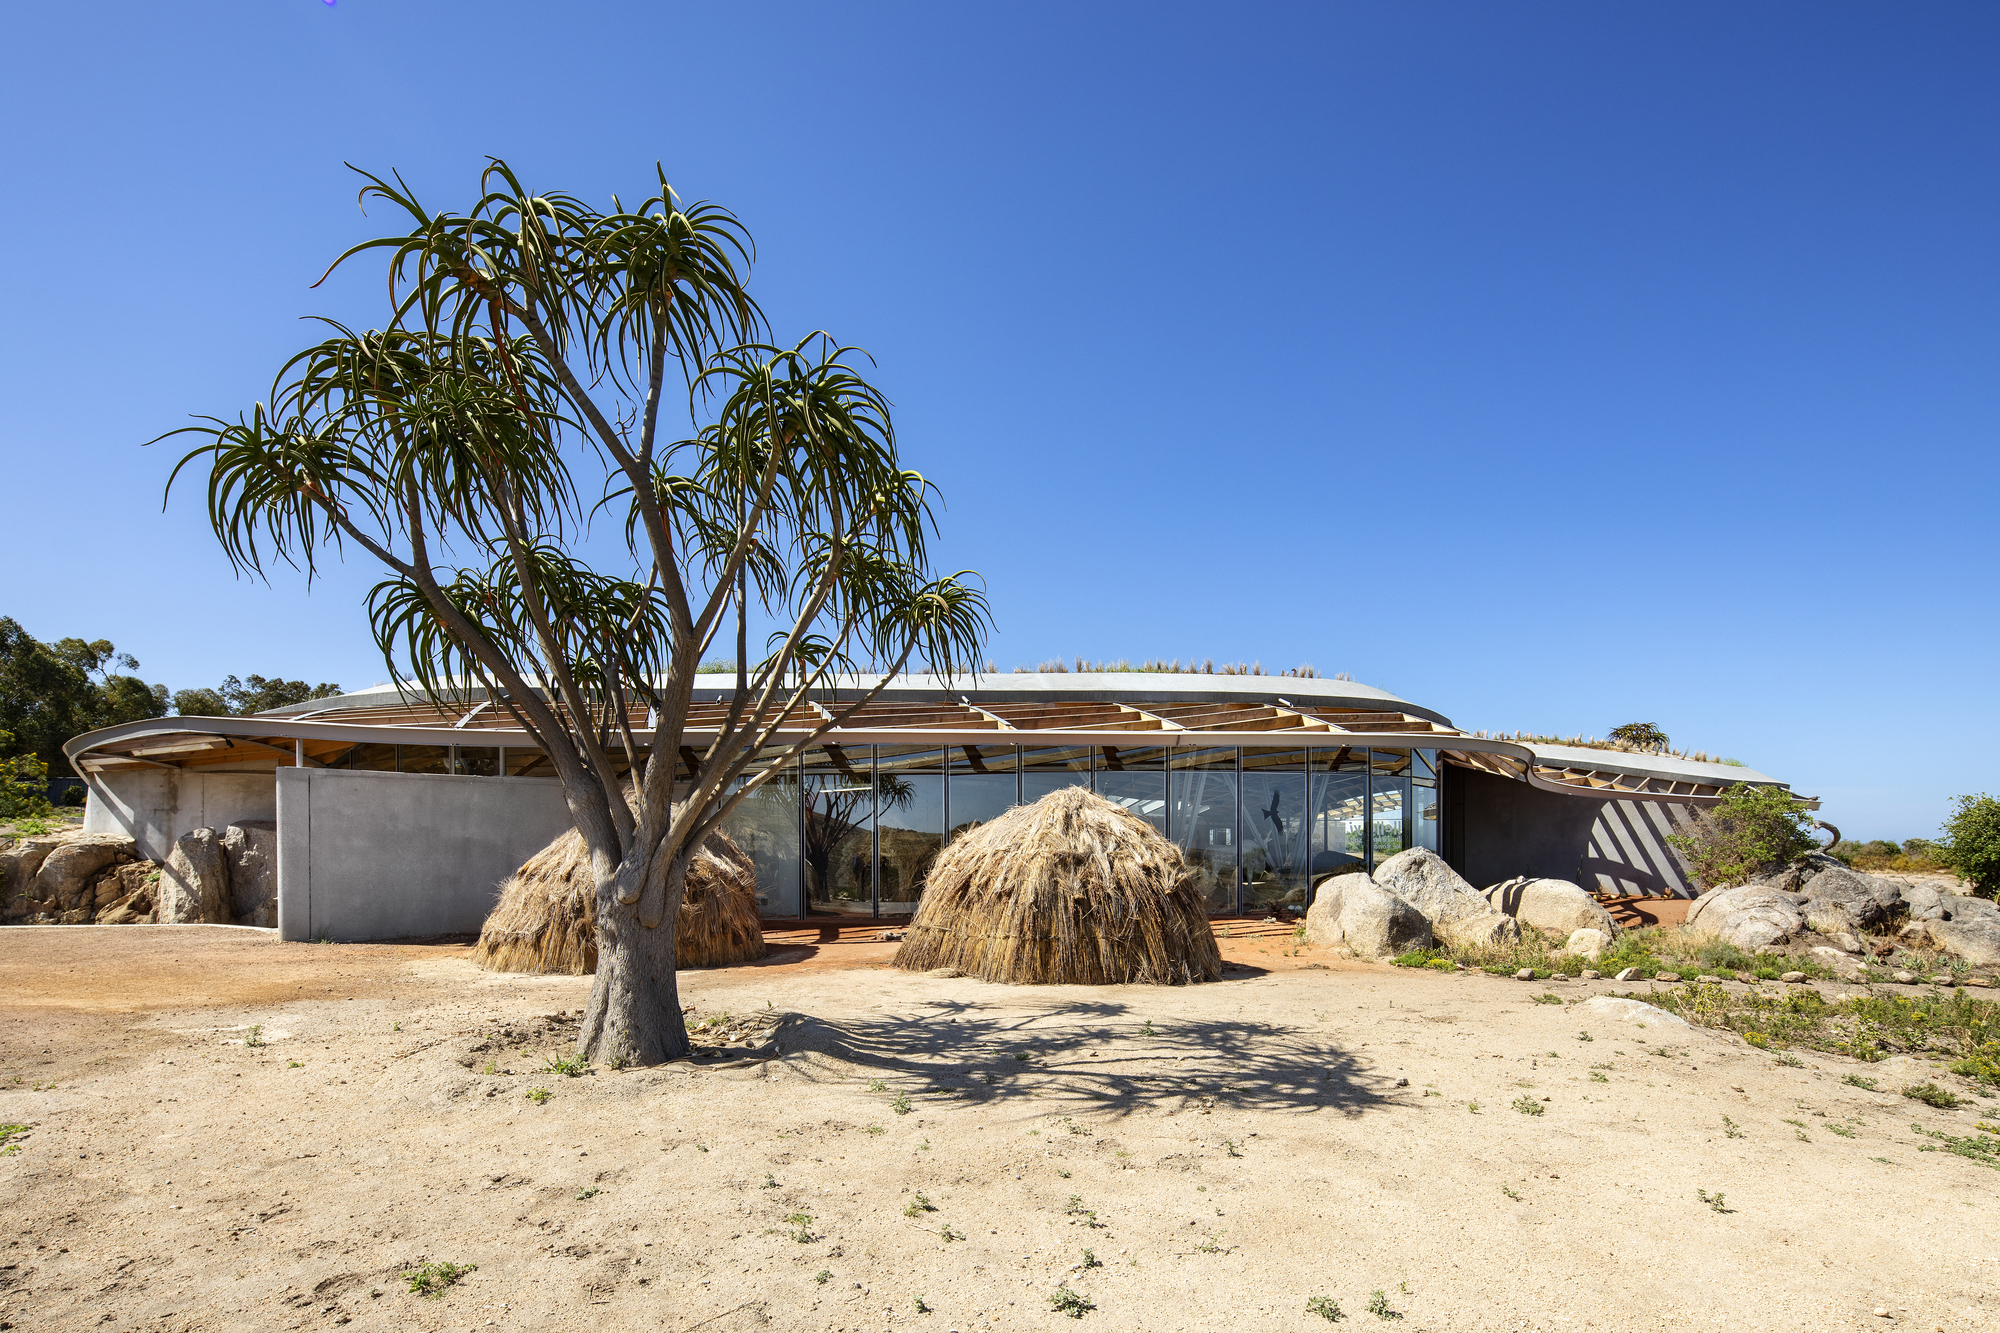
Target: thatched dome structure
{"x":546,"y":919}
{"x":1072,"y":889}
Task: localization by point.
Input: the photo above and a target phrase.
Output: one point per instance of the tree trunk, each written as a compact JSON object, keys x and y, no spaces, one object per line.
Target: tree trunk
{"x":634,"y":1015}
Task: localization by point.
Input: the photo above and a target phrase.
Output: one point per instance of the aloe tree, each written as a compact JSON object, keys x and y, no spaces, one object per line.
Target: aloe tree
{"x":523,"y":387}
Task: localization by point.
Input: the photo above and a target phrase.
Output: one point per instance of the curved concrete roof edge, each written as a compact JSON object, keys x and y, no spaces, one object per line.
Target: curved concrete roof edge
{"x":1016,"y":686}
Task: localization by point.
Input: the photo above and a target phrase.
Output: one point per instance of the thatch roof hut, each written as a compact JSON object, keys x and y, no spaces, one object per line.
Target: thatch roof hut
{"x":1072,"y":889}
{"x":546,"y":919}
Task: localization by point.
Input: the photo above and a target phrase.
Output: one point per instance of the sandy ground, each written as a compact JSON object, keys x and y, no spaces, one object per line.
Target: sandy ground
{"x":1225,"y":1153}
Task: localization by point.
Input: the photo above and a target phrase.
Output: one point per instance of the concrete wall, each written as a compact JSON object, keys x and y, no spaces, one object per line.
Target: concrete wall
{"x":1499,"y":828}
{"x":155,"y":806}
{"x":375,"y":856}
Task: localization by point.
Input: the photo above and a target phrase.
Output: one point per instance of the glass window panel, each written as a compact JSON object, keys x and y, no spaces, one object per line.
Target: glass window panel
{"x":1424,"y":797}
{"x":478,"y":761}
{"x":837,"y":830}
{"x":1337,"y":833}
{"x":1274,"y":855}
{"x":1201,"y":818}
{"x":1389,"y":820}
{"x":423,"y":758}
{"x":837,"y":844}
{"x":377,"y":758}
{"x":1047,"y":770}
{"x":1427,"y":764}
{"x":984,"y":783}
{"x":1135,"y":776}
{"x":766,"y":827}
{"x":528,"y":764}
{"x":909,"y":820}
{"x":1391,"y":763}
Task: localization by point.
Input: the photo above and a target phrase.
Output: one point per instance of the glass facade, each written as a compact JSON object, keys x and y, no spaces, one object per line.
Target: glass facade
{"x":853,"y":830}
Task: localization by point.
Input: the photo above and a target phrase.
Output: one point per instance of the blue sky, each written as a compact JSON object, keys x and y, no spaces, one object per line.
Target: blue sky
{"x":1555,"y":366}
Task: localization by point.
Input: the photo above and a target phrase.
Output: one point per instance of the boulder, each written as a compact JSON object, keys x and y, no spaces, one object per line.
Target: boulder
{"x":1588,"y":943}
{"x":251,"y":848}
{"x":1971,"y":933}
{"x":68,"y":869}
{"x":1483,"y":931}
{"x":1368,"y":920}
{"x":20,"y":862}
{"x":1925,"y":902}
{"x":1747,"y":917}
{"x":1794,"y":877}
{"x":194,"y":884}
{"x":1615,"y":1009}
{"x":1422,"y":879}
{"x":1846,"y":899}
{"x":1554,"y":905}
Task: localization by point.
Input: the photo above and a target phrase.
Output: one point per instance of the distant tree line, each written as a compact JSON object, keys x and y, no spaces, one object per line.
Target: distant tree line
{"x":50,"y":692}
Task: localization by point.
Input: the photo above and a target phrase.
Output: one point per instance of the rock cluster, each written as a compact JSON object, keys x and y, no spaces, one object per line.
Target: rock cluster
{"x":75,"y":878}
{"x":1821,"y":896}
{"x":1414,"y":900}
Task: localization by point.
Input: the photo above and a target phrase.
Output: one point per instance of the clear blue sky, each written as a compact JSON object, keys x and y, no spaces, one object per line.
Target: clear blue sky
{"x":1556,"y":366}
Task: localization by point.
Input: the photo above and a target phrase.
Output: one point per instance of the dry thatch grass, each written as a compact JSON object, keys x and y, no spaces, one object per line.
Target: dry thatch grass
{"x":1069,"y":890}
{"x":546,"y":919}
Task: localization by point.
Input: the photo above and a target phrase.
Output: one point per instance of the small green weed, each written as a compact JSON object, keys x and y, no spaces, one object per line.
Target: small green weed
{"x":1548,"y":997}
{"x":1211,"y":1243}
{"x":1147,"y":1030}
{"x":1075,"y":1128}
{"x":1326,"y":1308}
{"x":919,"y":1305}
{"x":1980,"y":1148}
{"x":824,"y":1276}
{"x":1842,"y":1130}
{"x":1799,"y":1128}
{"x":877,"y":1085}
{"x":587,"y":1192}
{"x":569,"y":1066}
{"x":1596,"y":1077}
{"x":948,"y":1235}
{"x":1585,"y":1036}
{"x":1472,"y":1107}
{"x":1229,"y":1146}
{"x":293,"y":1064}
{"x":1857,"y":1081}
{"x":918,"y":1205}
{"x":538,"y":1095}
{"x":1508,"y":1190}
{"x":433,"y":1280}
{"x":1930,"y":1094}
{"x":492,"y":1068}
{"x":255,"y":1036}
{"x":1090,"y":1260}
{"x":1074,"y":1304}
{"x":770,"y":1181}
{"x":1527,"y":1105}
{"x":1714,"y":1201}
{"x":1790,"y":1061}
{"x":803,"y":1222}
{"x":1729,"y":1128}
{"x":901,"y":1105}
{"x":1378,"y":1305}
{"x":874,"y":1129}
{"x":396,"y":1027}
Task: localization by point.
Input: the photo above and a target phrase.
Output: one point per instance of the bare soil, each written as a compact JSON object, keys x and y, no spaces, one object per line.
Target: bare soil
{"x":1224,"y":1153}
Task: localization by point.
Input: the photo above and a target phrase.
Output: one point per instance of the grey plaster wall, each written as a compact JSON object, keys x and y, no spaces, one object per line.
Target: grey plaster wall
{"x":376,"y":856}
{"x":1505,"y":828}
{"x":155,"y":806}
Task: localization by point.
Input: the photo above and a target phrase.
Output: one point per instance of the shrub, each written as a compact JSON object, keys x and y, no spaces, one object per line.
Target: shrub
{"x":1971,"y":843}
{"x":1751,"y":831}
{"x":24,"y":782}
{"x":1641,"y":736}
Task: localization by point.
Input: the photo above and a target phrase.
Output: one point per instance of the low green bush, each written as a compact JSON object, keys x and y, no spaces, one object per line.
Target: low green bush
{"x":1971,"y":843}
{"x":1750,"y":831}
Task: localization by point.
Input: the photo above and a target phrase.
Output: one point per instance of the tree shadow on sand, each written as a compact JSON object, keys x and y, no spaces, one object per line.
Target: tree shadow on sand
{"x":1095,"y":1056}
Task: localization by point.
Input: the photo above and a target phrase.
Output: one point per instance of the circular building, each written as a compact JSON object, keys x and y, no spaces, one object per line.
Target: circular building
{"x":397,"y":818}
